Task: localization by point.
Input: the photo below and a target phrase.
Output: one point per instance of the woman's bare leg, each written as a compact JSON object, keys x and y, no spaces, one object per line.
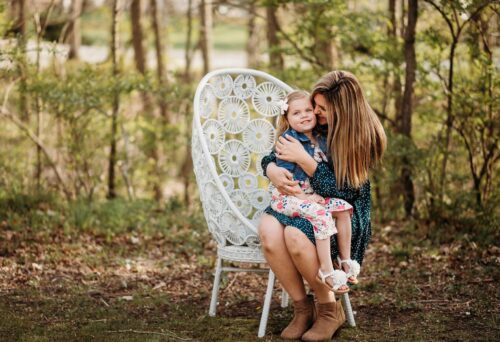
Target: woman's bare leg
{"x":305,"y":258}
{"x":272,"y":237}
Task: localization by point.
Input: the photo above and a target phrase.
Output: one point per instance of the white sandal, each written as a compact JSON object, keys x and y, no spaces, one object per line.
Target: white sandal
{"x":339,"y":279}
{"x":353,"y":271}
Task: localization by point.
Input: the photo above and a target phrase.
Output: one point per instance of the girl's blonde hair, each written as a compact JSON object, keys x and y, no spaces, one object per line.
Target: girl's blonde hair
{"x":283,"y":124}
{"x":356,"y":138}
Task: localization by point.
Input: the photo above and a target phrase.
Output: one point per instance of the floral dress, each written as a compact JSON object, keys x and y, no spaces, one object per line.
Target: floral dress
{"x":318,"y":214}
{"x":324,"y":184}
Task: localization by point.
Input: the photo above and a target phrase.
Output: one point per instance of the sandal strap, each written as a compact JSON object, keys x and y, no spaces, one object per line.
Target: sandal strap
{"x":339,"y":278}
{"x":323,"y":276}
{"x":354,"y":266}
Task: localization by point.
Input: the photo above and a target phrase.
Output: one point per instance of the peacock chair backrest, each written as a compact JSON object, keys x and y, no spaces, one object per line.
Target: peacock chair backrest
{"x":234,"y":120}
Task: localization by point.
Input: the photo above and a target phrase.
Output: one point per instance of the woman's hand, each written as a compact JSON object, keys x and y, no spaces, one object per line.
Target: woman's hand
{"x":290,"y":149}
{"x":282,"y":179}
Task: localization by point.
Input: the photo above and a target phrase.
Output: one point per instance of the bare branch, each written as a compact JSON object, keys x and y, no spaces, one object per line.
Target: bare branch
{"x":385,"y":117}
{"x":6,"y":113}
{"x":445,"y":17}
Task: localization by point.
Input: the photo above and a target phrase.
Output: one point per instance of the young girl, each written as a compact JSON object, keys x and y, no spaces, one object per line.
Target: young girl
{"x":299,"y":121}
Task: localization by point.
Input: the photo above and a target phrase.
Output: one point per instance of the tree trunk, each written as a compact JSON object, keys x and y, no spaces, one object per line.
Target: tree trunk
{"x":187,"y":164}
{"x":160,"y":63}
{"x":449,"y":119}
{"x":252,"y":46}
{"x":188,"y":53}
{"x":20,"y":29}
{"x":137,"y":43}
{"x":162,"y":82}
{"x":137,"y":36}
{"x":325,"y":49}
{"x":18,"y":16}
{"x":407,"y":105}
{"x":396,"y":87}
{"x":116,"y":103}
{"x":275,"y":57}
{"x":74,"y":30}
{"x":206,"y":42}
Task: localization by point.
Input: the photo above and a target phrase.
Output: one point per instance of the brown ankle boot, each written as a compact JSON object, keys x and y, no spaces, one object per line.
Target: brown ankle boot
{"x":303,"y":318}
{"x":330,"y":317}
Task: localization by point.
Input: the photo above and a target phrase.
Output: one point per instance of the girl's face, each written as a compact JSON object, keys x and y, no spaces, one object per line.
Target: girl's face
{"x":320,"y":109}
{"x":301,"y":115}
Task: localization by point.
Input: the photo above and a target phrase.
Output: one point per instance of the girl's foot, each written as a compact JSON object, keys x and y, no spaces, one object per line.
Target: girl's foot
{"x":335,"y":280}
{"x":352,"y":268}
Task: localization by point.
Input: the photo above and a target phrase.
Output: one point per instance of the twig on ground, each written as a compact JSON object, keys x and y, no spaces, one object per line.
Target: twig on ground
{"x":168,"y":333}
{"x":231,"y":283}
{"x":104,"y":302}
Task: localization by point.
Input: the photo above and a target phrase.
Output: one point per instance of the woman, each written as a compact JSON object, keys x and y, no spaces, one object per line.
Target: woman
{"x":356,"y":141}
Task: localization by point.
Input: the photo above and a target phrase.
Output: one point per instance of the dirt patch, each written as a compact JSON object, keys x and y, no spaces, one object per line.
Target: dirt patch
{"x":138,"y":287}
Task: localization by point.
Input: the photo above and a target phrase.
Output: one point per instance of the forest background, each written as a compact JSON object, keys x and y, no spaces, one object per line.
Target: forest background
{"x":99,"y":210}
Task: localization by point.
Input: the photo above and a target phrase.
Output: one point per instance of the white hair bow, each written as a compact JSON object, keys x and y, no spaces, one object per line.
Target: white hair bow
{"x":283,"y":106}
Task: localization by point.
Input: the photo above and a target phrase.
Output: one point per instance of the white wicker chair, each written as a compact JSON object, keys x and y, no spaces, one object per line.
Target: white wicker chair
{"x":233,"y":128}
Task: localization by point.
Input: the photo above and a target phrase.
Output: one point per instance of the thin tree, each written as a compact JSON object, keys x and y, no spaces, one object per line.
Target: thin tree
{"x":206,"y":43}
{"x":275,"y":57}
{"x":404,"y":124}
{"x":19,"y":28}
{"x":137,"y":35}
{"x":477,"y":123}
{"x":160,"y":62}
{"x":40,"y":29}
{"x":74,"y":29}
{"x":116,"y":102}
{"x":252,"y":45}
{"x":450,"y":13}
{"x":187,"y":164}
{"x":324,"y":40}
{"x":188,"y":52}
{"x":137,"y":43}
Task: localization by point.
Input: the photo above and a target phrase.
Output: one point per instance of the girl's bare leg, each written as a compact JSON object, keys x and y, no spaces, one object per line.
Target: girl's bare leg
{"x":272,"y":237}
{"x":324,"y":255}
{"x":305,"y":258}
{"x":344,"y":232}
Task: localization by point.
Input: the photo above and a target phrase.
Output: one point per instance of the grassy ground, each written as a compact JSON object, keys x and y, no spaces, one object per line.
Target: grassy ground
{"x":137,"y":284}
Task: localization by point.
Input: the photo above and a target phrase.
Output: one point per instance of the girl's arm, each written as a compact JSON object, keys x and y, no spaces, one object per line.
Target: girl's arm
{"x":281,"y":178}
{"x":291,"y":149}
{"x":321,"y":175}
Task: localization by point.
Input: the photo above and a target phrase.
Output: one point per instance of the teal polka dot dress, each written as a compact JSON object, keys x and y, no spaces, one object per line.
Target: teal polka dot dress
{"x":324,"y":183}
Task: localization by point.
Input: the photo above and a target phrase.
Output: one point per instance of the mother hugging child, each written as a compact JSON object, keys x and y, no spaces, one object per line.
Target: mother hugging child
{"x":320,"y":207}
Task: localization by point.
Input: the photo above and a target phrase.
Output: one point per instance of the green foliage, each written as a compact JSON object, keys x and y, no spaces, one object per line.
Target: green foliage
{"x":75,"y":102}
{"x":107,"y":218}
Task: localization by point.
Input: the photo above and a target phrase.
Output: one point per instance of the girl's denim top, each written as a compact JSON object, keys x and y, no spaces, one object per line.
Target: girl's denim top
{"x":295,"y":169}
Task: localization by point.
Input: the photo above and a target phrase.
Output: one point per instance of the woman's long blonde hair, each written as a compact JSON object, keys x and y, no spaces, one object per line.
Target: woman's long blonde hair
{"x":283,"y":124}
{"x":356,"y":138}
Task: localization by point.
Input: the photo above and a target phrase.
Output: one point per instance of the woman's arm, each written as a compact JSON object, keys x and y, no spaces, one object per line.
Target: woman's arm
{"x":324,"y":183}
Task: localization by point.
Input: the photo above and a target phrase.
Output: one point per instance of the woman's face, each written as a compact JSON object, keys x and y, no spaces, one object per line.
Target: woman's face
{"x":320,"y":109}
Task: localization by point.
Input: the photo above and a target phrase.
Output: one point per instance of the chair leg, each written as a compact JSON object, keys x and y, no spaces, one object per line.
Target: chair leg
{"x":267,"y":304}
{"x":215,"y":289}
{"x":348,"y":310}
{"x":284,"y":298}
